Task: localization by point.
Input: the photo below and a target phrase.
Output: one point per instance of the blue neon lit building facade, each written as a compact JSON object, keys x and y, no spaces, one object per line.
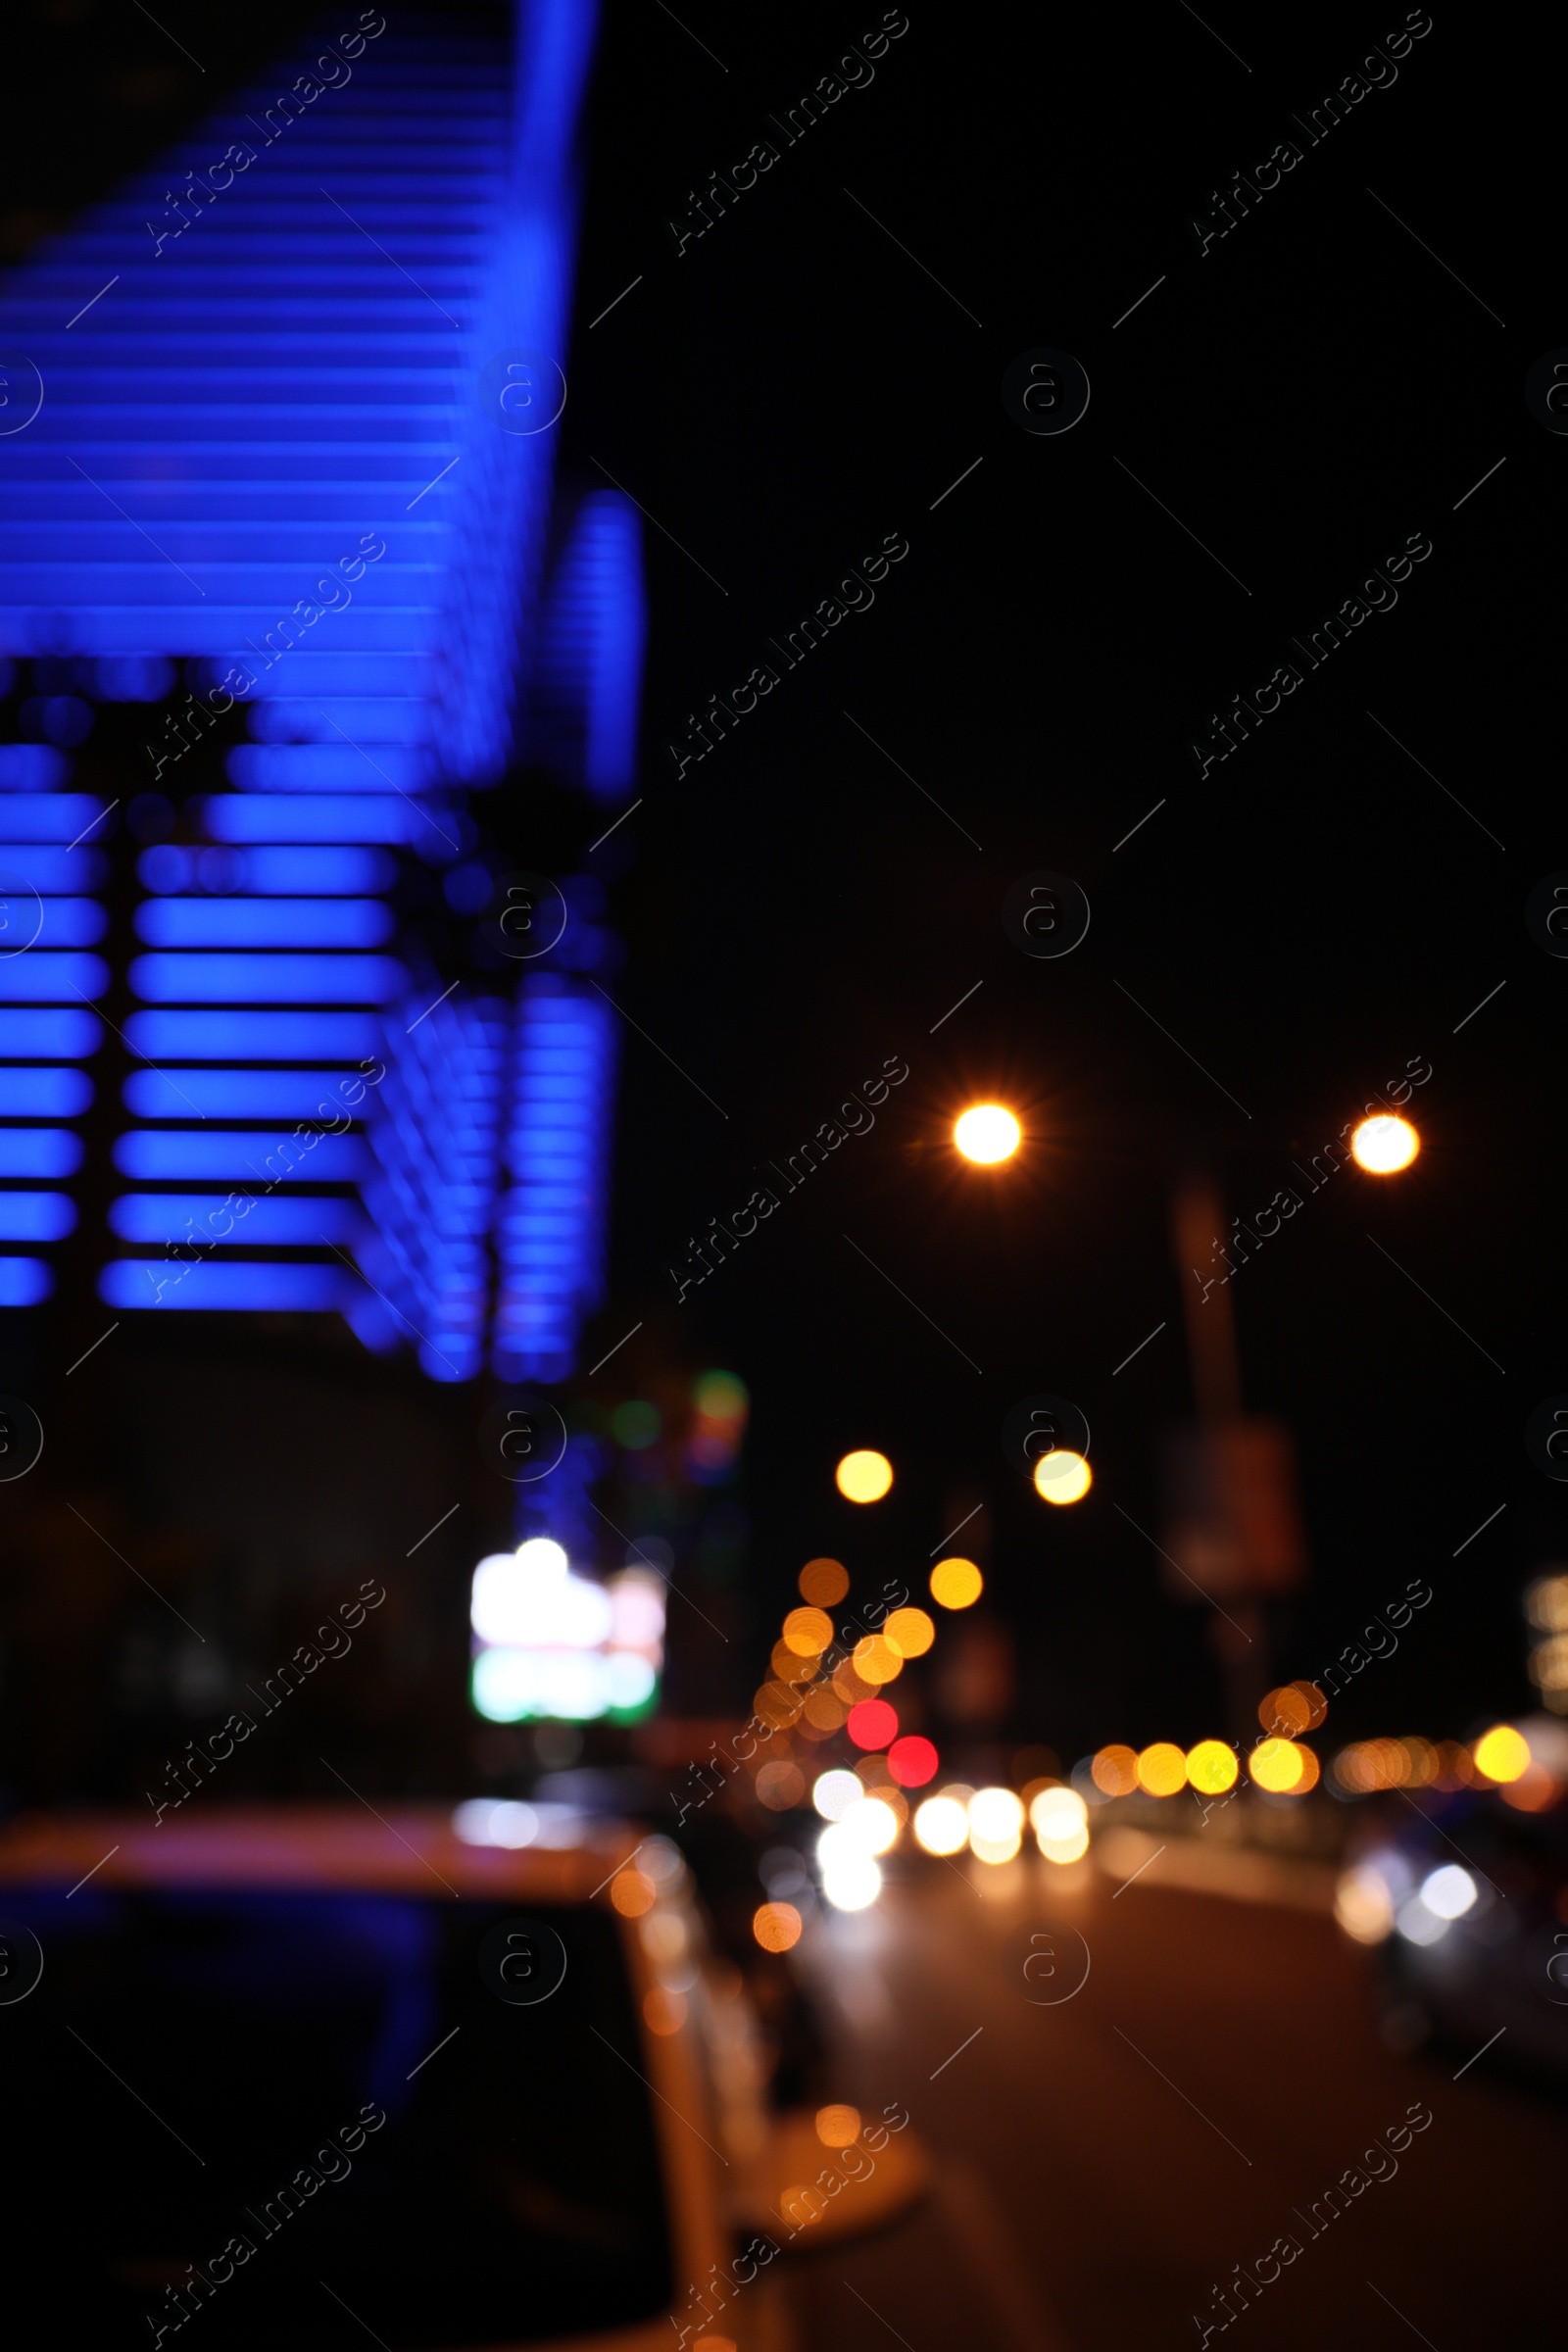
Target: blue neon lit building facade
{"x":271,"y":447}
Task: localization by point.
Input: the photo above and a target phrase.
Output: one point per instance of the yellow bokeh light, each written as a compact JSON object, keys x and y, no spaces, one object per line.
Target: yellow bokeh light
{"x":1384,"y":1145}
{"x":909,"y":1632}
{"x":808,"y":1631}
{"x":825,"y":1583}
{"x":1114,"y":1771}
{"x":776,"y":1927}
{"x":1162,"y":1768}
{"x":940,"y":1825}
{"x":956,"y":1583}
{"x":1278,"y":1766}
{"x":863,"y":1477}
{"x":875,"y":1660}
{"x":1062,"y":1475}
{"x":838,"y":2127}
{"x":1502,"y":1753}
{"x":1211,"y":1767}
{"x":987,"y":1133}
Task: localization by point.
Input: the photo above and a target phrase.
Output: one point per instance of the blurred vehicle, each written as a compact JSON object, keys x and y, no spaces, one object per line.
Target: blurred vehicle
{"x":298,"y":2076}
{"x":1465,"y":1900}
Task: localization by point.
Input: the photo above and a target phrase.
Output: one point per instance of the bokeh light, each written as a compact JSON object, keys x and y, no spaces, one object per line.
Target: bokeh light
{"x":872,"y":1724}
{"x":869,"y":1824}
{"x":1363,"y":1905}
{"x":776,"y":1927}
{"x":956,"y":1583}
{"x":863,"y":1477}
{"x":1285,"y":1713}
{"x":824,"y":1583}
{"x":833,"y":1792}
{"x":1384,"y":1145}
{"x":913,"y":1761}
{"x":987,"y":1133}
{"x":1063,"y":1476}
{"x":1114,"y":1771}
{"x":824,"y":1710}
{"x":996,"y":1825}
{"x":781,"y":1786}
{"x":1279,"y":1766}
{"x":663,"y":2011}
{"x":909,"y":1632}
{"x":1059,"y":1819}
{"x":632,"y":1892}
{"x":838,"y":2127}
{"x":808,"y":1631}
{"x":1502,"y":1753}
{"x":850,"y":1879}
{"x":940,"y":1825}
{"x":1161,"y":1769}
{"x":1211,"y":1767}
{"x":1448,"y":1890}
{"x":875,"y":1660}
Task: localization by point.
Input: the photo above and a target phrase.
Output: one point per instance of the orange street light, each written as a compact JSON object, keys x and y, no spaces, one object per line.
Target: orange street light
{"x":987,"y":1133}
{"x":1384,"y":1145}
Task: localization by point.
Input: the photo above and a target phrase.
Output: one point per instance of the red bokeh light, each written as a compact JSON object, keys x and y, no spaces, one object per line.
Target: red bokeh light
{"x":872,"y":1724}
{"x":913,"y":1761}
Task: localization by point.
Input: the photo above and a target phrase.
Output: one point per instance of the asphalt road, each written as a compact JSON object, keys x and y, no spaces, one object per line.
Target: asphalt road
{"x":1105,"y":2160}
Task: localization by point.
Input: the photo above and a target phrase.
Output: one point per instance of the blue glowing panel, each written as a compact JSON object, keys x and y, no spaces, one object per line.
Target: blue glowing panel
{"x":236,"y":1094}
{"x":166,"y":1156}
{"x":318,"y":816}
{"x":584,"y":702}
{"x":326,"y":767}
{"x":66,"y":817}
{"x":261,"y":1221}
{"x":44,"y":1036}
{"x":265,"y":923}
{"x":262,"y":979}
{"x":33,"y":1094}
{"x":24,"y":1281}
{"x":49,"y":1152}
{"x":36,"y":1216}
{"x":39,"y":978}
{"x":32,"y":767}
{"x":249,"y":1035}
{"x":223,"y":1285}
{"x":45,"y":869}
{"x":266,"y":872}
{"x":549,"y":1239}
{"x":68,"y":922}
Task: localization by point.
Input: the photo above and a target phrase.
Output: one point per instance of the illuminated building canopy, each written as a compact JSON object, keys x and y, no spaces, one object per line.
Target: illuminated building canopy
{"x":299,"y":385}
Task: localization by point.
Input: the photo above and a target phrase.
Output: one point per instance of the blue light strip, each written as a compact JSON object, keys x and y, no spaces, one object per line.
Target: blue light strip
{"x":431,"y":1202}
{"x":586,"y":690}
{"x":551,"y":1231}
{"x":44,"y":870}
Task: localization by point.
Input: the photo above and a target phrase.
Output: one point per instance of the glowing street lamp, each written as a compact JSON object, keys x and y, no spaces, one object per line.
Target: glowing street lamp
{"x":1062,"y":1475}
{"x":987,"y":1133}
{"x":1384,"y":1145}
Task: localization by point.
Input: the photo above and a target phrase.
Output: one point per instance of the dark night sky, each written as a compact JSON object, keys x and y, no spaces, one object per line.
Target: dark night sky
{"x":790,"y":388}
{"x":1304,"y":396}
